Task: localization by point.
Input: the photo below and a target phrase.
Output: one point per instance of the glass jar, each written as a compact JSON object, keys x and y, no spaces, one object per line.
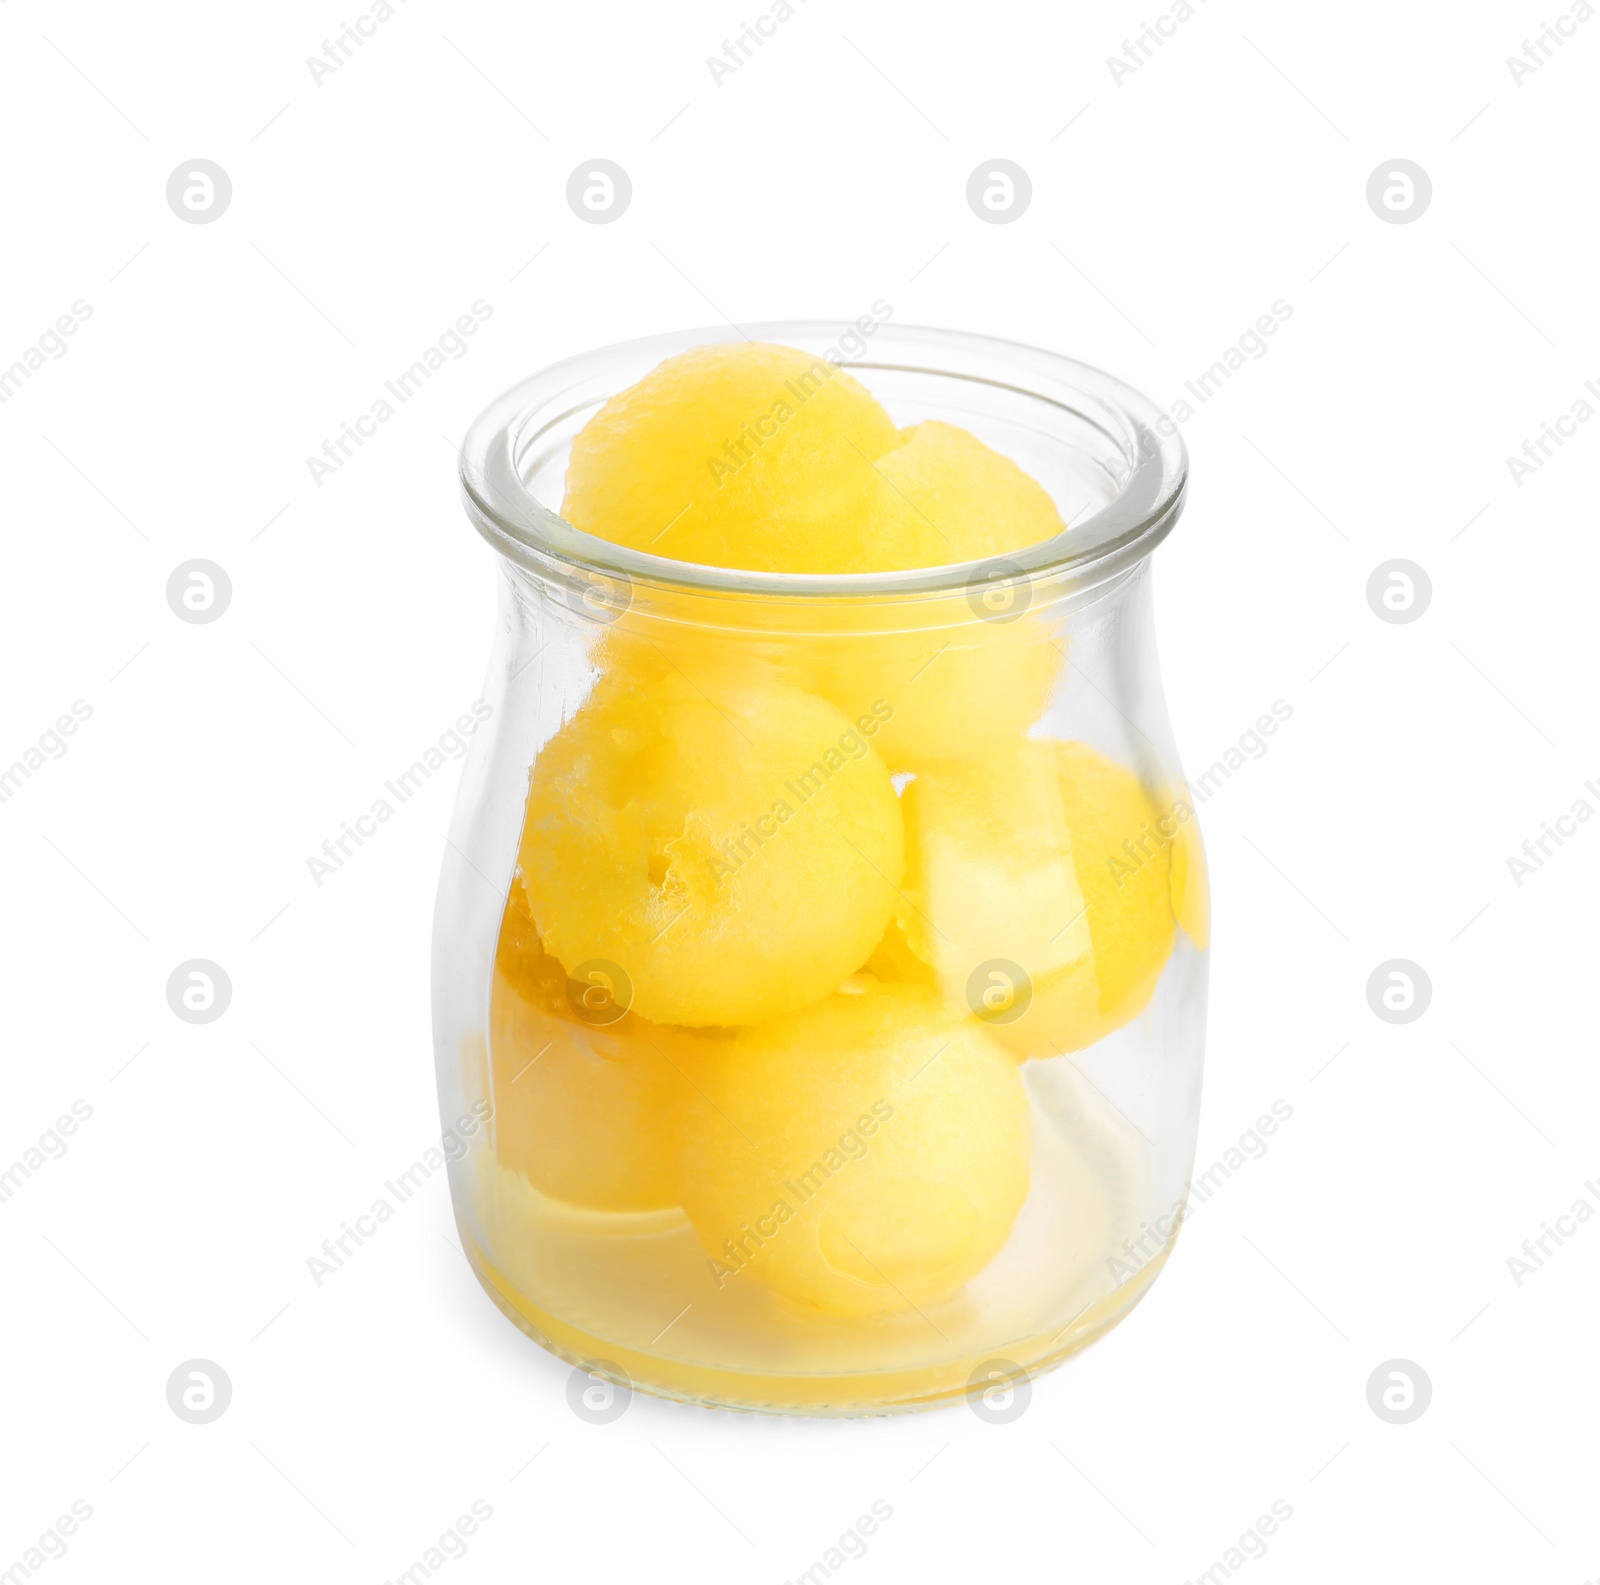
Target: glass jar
{"x":819,"y":965}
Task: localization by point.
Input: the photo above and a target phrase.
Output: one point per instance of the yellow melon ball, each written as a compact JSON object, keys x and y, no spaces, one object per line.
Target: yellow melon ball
{"x":866,"y":1156}
{"x":945,"y":694}
{"x":741,"y":455}
{"x":582,"y":1096}
{"x":960,"y":500}
{"x":726,"y":849}
{"x":960,"y":684}
{"x":991,"y":898}
{"x":1191,"y":882}
{"x":1121,"y":853}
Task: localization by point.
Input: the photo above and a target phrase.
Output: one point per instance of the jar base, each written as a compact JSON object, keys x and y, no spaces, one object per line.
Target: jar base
{"x":833,"y":1395}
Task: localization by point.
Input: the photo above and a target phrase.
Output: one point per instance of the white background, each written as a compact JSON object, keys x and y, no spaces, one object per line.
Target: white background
{"x":367,"y":213}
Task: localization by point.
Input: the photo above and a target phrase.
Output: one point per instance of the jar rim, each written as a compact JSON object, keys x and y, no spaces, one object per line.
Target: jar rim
{"x":1151,"y":488}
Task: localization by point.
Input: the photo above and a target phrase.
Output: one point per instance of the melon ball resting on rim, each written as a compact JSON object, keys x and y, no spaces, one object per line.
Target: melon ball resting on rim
{"x":768,"y":458}
{"x":739,"y":455}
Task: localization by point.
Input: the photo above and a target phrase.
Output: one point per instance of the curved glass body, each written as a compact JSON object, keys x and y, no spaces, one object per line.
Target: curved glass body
{"x":820,"y":961}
